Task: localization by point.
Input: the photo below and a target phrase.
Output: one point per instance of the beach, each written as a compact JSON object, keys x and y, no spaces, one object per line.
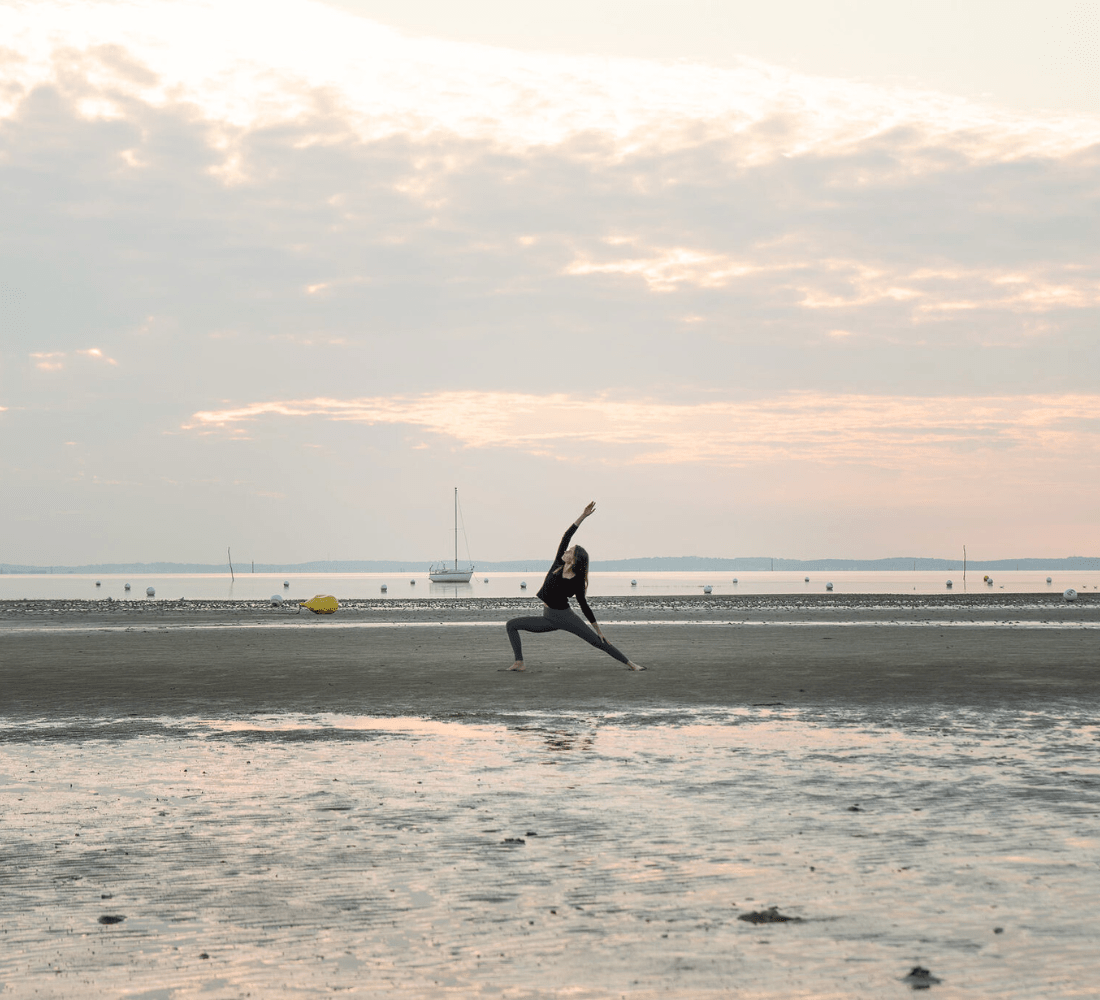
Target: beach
{"x":437,"y":658}
{"x":370,"y":803}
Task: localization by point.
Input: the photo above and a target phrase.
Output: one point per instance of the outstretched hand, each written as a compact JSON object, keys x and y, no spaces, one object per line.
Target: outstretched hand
{"x":589,"y":510}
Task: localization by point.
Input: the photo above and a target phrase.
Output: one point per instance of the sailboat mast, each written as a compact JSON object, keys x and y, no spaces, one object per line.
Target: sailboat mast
{"x":456,"y":529}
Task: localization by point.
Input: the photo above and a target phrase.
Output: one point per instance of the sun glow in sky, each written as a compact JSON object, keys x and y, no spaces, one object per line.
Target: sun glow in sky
{"x":261,"y":261}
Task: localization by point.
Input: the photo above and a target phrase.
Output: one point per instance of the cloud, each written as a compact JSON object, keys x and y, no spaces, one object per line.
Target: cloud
{"x":663,"y":270}
{"x":96,"y":354}
{"x":52,"y":361}
{"x":304,"y":224}
{"x":236,"y":65}
{"x":889,"y":432}
{"x":48,"y":361}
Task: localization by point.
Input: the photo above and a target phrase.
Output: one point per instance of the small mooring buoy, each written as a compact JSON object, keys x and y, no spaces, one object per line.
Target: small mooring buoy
{"x":949,"y":585}
{"x":126,"y":587}
{"x":276,"y":599}
{"x":707,"y":589}
{"x":828,"y":586}
{"x":150,"y":592}
{"x":1069,"y":594}
{"x":522,"y":584}
{"x":384,"y":588}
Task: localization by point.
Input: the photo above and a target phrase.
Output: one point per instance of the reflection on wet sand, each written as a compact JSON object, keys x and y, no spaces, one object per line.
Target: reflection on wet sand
{"x":300,"y":855}
{"x":558,"y":740}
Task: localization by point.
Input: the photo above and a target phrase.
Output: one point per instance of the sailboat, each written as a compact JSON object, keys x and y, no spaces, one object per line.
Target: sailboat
{"x":441,"y":572}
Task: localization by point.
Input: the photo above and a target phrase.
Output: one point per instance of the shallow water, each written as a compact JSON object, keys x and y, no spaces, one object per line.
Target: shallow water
{"x":312,"y":855}
{"x":400,"y":586}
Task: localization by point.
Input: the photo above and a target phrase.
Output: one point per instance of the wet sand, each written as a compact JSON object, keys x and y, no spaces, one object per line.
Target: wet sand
{"x":437,"y":659}
{"x":217,"y":801}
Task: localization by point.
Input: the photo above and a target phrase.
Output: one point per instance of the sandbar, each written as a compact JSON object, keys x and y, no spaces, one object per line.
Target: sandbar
{"x":450,"y":658}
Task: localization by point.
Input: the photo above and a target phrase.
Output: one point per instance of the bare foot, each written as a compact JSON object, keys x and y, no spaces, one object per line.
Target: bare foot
{"x":518,"y":665}
{"x":633,"y":666}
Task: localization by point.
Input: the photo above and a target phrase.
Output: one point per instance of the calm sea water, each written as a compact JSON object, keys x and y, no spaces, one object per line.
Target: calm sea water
{"x":259,"y":586}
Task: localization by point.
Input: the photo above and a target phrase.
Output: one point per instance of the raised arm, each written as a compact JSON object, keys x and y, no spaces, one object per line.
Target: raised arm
{"x":588,"y":511}
{"x":564,"y":543}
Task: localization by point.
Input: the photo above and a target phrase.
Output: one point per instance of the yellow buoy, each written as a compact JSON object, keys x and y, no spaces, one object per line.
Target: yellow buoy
{"x":322,"y":604}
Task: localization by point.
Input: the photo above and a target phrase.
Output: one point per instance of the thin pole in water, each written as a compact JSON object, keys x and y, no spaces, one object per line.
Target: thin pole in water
{"x":456,"y":529}
{"x":230,"y":554}
{"x":964,"y":564}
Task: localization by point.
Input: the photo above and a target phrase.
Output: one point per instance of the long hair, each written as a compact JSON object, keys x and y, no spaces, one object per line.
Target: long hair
{"x":580,"y":564}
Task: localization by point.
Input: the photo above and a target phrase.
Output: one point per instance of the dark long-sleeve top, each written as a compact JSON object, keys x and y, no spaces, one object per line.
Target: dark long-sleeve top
{"x":556,"y":589}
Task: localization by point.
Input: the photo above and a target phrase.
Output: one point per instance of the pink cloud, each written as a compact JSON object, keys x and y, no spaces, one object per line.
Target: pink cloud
{"x":885,"y":431}
{"x":49,"y":361}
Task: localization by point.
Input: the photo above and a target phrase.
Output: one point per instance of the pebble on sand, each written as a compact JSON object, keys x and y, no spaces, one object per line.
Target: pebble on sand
{"x":920,"y":978}
{"x":111,"y":918}
{"x":769,"y":916}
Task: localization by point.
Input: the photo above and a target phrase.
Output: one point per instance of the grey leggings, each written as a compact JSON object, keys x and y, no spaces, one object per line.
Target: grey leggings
{"x":551,"y":621}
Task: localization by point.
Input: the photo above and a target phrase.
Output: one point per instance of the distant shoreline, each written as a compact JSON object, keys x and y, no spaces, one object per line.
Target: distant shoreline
{"x":645,"y":564}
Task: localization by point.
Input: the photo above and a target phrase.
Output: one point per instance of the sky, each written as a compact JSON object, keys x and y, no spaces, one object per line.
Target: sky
{"x":811,"y":281}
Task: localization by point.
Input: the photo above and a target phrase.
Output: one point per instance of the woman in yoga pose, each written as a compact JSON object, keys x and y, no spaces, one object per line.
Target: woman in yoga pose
{"x":567,"y":577}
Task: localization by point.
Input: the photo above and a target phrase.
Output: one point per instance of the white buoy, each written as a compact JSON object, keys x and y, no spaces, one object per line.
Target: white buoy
{"x":989,"y":581}
{"x":276,"y":599}
{"x":126,"y":587}
{"x":1049,"y":580}
{"x":828,"y":586}
{"x":412,"y":583}
{"x":806,"y":578}
{"x":634,"y":583}
{"x":486,"y":580}
{"x":735,"y":579}
{"x":97,"y":583}
{"x":707,"y":589}
{"x":286,"y":584}
{"x":150,"y":592}
{"x":1069,"y":594}
{"x":522,"y":584}
{"x":949,"y":585}
{"x":384,"y":588}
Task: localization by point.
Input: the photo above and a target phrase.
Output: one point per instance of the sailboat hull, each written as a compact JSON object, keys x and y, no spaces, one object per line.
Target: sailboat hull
{"x":450,"y":576}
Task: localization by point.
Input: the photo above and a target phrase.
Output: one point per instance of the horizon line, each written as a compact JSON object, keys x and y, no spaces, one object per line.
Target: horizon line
{"x":636,"y":563}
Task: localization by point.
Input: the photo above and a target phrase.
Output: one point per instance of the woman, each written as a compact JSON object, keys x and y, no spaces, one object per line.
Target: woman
{"x":568,"y":577}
